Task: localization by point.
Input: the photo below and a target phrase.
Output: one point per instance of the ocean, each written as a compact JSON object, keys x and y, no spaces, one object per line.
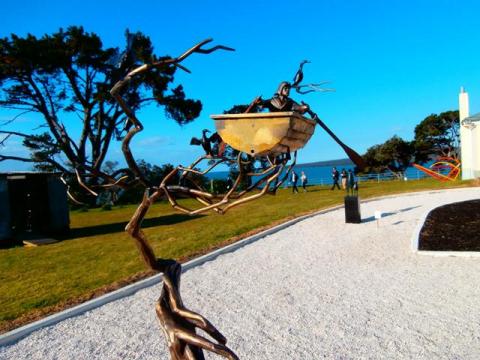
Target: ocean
{"x":322,"y":175}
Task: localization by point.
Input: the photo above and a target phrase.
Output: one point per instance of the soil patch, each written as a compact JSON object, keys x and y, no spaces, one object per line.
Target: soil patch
{"x":452,"y":227}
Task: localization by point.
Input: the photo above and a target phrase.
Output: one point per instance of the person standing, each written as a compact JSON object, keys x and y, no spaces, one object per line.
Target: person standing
{"x":294,"y":182}
{"x":335,"y":177}
{"x":343,"y":176}
{"x":304,"y":180}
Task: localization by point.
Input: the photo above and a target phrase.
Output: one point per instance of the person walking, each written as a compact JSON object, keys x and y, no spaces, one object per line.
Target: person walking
{"x":335,"y":177}
{"x":304,"y":180}
{"x":343,"y":176}
{"x":294,"y":182}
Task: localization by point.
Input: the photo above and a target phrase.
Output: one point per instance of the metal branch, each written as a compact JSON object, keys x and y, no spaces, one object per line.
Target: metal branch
{"x":69,"y":194}
{"x":116,"y":183}
{"x":137,"y":125}
{"x":177,"y":322}
{"x":313,"y":88}
{"x":82,"y":184}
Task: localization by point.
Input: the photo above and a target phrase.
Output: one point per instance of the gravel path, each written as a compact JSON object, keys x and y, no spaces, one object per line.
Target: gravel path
{"x":318,"y":289}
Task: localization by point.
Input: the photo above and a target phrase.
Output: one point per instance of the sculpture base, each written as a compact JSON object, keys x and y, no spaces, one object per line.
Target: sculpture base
{"x":352,"y":210}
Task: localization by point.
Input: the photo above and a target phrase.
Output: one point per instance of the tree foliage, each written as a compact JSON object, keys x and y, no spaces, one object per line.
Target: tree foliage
{"x":437,"y":135}
{"x":70,"y":73}
{"x":153,"y":173}
{"x":394,"y":155}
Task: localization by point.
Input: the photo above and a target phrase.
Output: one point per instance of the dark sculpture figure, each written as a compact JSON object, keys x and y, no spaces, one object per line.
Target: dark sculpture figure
{"x":298,"y":78}
{"x":207,"y":141}
{"x":281,"y":100}
{"x":352,"y":186}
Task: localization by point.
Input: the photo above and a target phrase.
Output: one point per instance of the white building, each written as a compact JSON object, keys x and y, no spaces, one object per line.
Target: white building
{"x":469,"y":139}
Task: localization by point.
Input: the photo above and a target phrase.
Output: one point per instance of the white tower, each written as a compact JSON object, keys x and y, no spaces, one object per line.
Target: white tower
{"x":469,"y":140}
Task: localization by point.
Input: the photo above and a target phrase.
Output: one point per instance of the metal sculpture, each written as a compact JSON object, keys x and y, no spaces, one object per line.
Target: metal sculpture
{"x":207,"y":141}
{"x":284,"y":131}
{"x":450,"y":166}
{"x":178,"y":323}
{"x":282,"y":102}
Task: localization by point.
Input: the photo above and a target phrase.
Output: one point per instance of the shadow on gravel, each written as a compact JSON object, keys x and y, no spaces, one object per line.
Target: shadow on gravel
{"x":372,"y":218}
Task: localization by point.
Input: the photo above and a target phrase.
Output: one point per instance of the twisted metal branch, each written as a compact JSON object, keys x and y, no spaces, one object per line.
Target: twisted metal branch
{"x":178,"y":323}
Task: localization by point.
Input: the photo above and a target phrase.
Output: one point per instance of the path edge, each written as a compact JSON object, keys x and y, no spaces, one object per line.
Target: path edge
{"x":9,"y":338}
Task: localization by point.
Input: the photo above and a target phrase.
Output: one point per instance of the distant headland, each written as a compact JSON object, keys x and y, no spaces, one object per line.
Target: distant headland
{"x":338,"y":162}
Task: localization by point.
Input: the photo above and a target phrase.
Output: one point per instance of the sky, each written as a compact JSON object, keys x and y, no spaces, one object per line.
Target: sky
{"x":391,"y":63}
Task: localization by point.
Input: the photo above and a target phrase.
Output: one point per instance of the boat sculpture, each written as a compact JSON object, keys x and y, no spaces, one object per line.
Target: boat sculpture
{"x":261,"y":134}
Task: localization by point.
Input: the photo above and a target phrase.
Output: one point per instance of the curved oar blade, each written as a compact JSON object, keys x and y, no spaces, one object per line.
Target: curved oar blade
{"x":352,"y":154}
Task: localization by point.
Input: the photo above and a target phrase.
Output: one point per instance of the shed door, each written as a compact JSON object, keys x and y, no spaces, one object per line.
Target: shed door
{"x":29,"y":205}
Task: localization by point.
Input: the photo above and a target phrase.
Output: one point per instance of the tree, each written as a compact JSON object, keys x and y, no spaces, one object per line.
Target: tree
{"x":373,"y":159}
{"x":70,"y":72}
{"x":394,"y":155}
{"x":153,"y":173}
{"x":437,"y":135}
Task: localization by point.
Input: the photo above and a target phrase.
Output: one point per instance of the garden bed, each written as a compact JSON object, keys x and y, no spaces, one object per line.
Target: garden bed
{"x":452,"y":227}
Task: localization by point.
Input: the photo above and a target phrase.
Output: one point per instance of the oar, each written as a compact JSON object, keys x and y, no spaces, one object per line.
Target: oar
{"x":352,"y":154}
{"x":252,"y":104}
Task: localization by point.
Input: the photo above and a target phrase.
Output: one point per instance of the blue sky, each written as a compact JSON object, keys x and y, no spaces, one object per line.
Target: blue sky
{"x":392,"y":63}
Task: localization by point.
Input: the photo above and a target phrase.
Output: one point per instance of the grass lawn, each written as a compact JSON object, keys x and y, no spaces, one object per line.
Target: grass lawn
{"x":99,"y":256}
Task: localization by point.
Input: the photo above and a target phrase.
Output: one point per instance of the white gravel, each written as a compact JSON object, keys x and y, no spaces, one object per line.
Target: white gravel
{"x":318,"y":289}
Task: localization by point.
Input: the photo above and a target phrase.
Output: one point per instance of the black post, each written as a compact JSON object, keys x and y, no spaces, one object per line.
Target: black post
{"x":352,"y":209}
{"x":352,"y":202}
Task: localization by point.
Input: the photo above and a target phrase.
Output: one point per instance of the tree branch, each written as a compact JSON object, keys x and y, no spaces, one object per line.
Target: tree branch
{"x":106,"y":139}
{"x":48,"y":96}
{"x":74,"y":85}
{"x":16,"y":158}
{"x":42,"y":107}
{"x":6,"y":122}
{"x":26,"y":136}
{"x":2,"y":142}
{"x":10,"y":107}
{"x":19,"y":158}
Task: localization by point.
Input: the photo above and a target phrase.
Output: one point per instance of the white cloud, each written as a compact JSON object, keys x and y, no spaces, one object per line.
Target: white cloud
{"x":14,"y":148}
{"x":156,"y":141}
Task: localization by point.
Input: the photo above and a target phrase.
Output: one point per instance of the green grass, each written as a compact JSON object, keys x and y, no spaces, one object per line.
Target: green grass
{"x":39,"y":280}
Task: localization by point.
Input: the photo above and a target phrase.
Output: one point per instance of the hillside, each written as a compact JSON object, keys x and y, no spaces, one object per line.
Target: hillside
{"x":338,"y":162}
